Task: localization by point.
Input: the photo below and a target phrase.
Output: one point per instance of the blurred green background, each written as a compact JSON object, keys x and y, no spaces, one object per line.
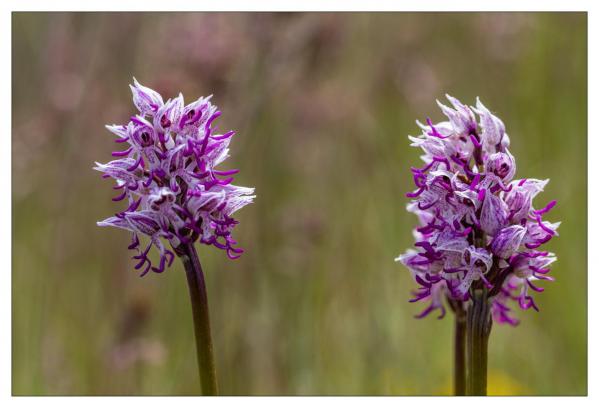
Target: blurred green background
{"x":323,"y":104}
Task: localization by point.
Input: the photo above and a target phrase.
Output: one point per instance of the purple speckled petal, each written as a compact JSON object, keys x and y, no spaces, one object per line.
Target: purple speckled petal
{"x":507,"y":241}
{"x":145,"y":99}
{"x":493,"y":214}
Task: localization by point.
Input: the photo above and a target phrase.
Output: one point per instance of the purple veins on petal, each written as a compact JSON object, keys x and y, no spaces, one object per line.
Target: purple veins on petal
{"x":493,"y":214}
{"x":507,"y":241}
{"x":453,"y":270}
{"x":115,"y":222}
{"x":500,"y":187}
{"x":492,"y":127}
{"x":145,"y":99}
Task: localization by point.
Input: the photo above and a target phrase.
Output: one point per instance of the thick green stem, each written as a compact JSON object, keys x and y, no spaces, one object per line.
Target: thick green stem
{"x":459,"y":354}
{"x":201,"y":318}
{"x":478,"y":328}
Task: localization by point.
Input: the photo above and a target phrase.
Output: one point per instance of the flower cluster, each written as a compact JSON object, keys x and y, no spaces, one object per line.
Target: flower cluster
{"x":478,"y":227}
{"x":167,"y":173}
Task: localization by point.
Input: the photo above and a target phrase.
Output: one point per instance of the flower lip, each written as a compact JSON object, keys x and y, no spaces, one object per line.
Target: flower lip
{"x":162,"y":197}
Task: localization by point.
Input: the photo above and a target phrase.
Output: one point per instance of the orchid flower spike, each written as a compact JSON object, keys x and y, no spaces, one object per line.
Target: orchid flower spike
{"x":478,"y":226}
{"x":167,"y":173}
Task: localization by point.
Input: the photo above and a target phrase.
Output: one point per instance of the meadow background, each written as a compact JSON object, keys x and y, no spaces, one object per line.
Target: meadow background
{"x":322,"y":104}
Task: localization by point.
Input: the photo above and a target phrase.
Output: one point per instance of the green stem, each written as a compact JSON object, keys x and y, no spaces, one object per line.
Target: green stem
{"x":201,"y":318}
{"x":478,"y":328}
{"x":459,"y":354}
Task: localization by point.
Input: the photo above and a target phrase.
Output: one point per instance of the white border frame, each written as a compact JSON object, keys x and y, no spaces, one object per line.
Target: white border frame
{"x":7,"y":7}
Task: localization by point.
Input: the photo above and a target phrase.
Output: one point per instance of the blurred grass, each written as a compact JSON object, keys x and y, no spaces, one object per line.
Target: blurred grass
{"x":322,"y":104}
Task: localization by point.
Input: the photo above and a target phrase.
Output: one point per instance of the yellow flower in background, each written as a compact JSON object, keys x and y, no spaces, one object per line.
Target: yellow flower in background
{"x":502,"y":384}
{"x":498,"y":384}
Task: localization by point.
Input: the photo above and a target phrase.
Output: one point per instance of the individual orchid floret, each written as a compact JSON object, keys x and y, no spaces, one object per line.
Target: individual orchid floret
{"x":461,"y":117}
{"x":478,"y":228}
{"x":493,"y":129}
{"x":168,"y":175}
{"x":145,"y":99}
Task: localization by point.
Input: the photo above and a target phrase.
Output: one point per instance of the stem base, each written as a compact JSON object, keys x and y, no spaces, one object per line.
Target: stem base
{"x":478,"y":327}
{"x":201,"y":318}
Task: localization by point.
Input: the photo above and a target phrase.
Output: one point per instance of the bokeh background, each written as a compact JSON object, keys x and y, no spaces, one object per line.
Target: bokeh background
{"x":323,"y":104}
